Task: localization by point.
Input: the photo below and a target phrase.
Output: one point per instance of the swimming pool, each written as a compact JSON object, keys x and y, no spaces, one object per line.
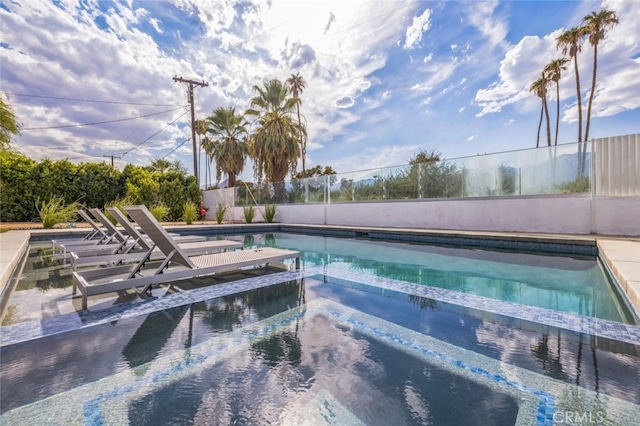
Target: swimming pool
{"x":338,"y":343}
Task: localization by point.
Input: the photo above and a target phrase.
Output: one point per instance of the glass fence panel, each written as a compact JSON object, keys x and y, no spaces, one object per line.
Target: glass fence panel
{"x":549,"y":170}
{"x":368,"y":185}
{"x":439,"y":179}
{"x":556,"y":169}
{"x":254,"y":193}
{"x":342,"y":187}
{"x":489,"y":175}
{"x":308,"y":190}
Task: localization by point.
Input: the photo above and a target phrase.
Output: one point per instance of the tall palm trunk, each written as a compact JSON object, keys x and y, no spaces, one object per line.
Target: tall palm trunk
{"x":557,"y":109}
{"x":580,"y":147}
{"x":540,"y":126}
{"x":593,"y":89}
{"x":303,"y":144}
{"x":575,"y":66}
{"x":546,"y":113}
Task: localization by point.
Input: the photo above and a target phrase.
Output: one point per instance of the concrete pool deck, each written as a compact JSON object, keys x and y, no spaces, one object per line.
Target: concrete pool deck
{"x":620,"y":254}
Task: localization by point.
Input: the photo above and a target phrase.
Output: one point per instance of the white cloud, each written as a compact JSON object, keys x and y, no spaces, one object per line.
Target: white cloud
{"x":461,"y":109}
{"x":495,"y":29}
{"x":386,"y":95}
{"x":155,"y":23}
{"x":344,"y":102}
{"x":438,"y":73}
{"x":427,"y":58}
{"x":418,"y":27}
{"x":470,"y":138}
{"x":521,"y":65}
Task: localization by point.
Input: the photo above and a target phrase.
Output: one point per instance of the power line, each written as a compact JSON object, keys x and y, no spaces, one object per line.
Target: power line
{"x":174,"y":149}
{"x":89,"y":100}
{"x":134,"y":147}
{"x":147,"y":139}
{"x":101,"y":122}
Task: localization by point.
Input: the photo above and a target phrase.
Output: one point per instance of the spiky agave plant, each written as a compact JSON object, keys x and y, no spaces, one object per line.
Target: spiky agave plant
{"x":54,"y":211}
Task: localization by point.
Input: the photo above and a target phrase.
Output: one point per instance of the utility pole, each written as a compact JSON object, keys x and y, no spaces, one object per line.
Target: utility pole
{"x":112,"y":157}
{"x":193,"y":120}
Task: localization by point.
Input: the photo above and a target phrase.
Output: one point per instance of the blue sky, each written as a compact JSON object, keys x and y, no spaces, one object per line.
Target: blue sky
{"x":385,"y":78}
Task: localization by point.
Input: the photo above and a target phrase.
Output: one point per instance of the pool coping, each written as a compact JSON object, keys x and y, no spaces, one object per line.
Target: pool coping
{"x":621,"y":255}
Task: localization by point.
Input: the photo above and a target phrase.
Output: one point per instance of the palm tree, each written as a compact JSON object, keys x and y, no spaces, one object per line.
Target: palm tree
{"x":570,"y":42}
{"x":595,"y":26}
{"x":207,"y":146}
{"x":296,"y":86}
{"x":539,"y":87}
{"x":229,"y":149}
{"x":274,"y":145}
{"x":553,"y":72}
{"x":9,"y":124}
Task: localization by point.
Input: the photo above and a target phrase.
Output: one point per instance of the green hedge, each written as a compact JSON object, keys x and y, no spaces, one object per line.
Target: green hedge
{"x":24,"y":180}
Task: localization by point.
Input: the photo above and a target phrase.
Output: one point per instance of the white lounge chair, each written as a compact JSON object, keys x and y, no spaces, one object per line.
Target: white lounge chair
{"x":119,"y":243}
{"x":106,"y":241}
{"x":135,"y":234}
{"x":177,"y":264}
{"x":190,"y":248}
{"x":96,"y":234}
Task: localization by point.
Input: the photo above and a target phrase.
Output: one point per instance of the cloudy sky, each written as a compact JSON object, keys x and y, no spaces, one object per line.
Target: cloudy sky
{"x":385,"y":78}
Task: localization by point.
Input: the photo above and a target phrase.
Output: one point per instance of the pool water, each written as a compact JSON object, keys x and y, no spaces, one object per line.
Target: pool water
{"x":572,"y":284}
{"x":350,"y":340}
{"x":567,"y":284}
{"x":316,"y":351}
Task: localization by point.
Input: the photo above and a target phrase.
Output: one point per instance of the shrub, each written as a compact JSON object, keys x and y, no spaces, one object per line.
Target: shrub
{"x":221,"y":212}
{"x":54,"y":211}
{"x":249,"y":213}
{"x":159,"y":211}
{"x":581,"y":184}
{"x":269,"y":213}
{"x":119,"y":204}
{"x":189,"y":212}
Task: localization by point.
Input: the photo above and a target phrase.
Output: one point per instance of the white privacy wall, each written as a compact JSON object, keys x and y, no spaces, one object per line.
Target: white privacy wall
{"x":570,"y":214}
{"x":617,"y":166}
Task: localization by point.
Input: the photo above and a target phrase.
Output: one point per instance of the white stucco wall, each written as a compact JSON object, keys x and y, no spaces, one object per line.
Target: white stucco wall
{"x":522,"y":214}
{"x":617,"y":216}
{"x":566,"y":214}
{"x":212,"y":198}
